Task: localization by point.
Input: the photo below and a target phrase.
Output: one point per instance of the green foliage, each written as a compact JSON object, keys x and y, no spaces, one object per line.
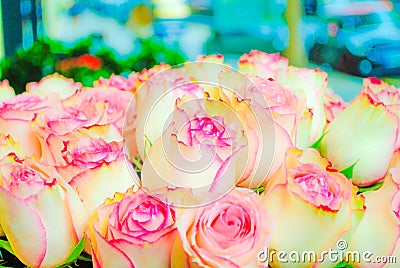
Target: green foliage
{"x":348,"y":172}
{"x":344,"y":265}
{"x":74,"y":254}
{"x":373,"y":187}
{"x":45,"y":57}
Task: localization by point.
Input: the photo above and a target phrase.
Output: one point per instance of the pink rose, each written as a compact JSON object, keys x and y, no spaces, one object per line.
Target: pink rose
{"x":198,"y":151}
{"x":262,"y":64}
{"x":307,"y":191}
{"x":92,"y":161}
{"x":379,"y":231}
{"x":8,"y":145}
{"x":267,"y":119}
{"x":381,"y":92}
{"x":41,"y":215}
{"x":333,"y":104}
{"x":55,"y":83}
{"x":364,"y":133}
{"x":311,"y":83}
{"x":155,"y":101}
{"x":96,"y":169}
{"x":17,"y":112}
{"x":108,"y":105}
{"x":227,"y":233}
{"x":133,"y":230}
{"x":116,"y":81}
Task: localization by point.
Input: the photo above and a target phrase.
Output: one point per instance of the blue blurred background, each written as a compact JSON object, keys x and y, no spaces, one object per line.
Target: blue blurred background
{"x":348,"y":39}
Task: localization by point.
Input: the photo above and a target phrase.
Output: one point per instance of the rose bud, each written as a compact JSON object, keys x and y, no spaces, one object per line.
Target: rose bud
{"x":42,"y":217}
{"x":379,"y":231}
{"x":17,"y":112}
{"x":262,"y":64}
{"x":227,"y":233}
{"x":129,"y":229}
{"x":55,"y":83}
{"x":307,"y":198}
{"x":364,"y":133}
{"x":198,"y":151}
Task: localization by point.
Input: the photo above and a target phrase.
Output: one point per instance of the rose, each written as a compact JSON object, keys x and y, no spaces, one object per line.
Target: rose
{"x":333,"y":104}
{"x":9,"y":146}
{"x":58,"y":125}
{"x":17,"y":112}
{"x":227,"y":233}
{"x":312,"y":83}
{"x":41,"y":215}
{"x":155,"y":101}
{"x":306,"y":85}
{"x":262,"y":64}
{"x":379,"y":231}
{"x":96,"y":169}
{"x":129,"y":229}
{"x":198,"y":151}
{"x":364,"y":133}
{"x":140,"y":78}
{"x":55,"y":83}
{"x":116,"y":81}
{"x":91,"y":160}
{"x":303,"y":197}
{"x":261,"y":117}
{"x":107,"y":105}
{"x":6,"y":91}
{"x":384,"y":93}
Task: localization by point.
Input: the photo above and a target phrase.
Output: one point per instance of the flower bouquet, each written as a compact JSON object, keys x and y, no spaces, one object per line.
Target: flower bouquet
{"x":200,"y":165}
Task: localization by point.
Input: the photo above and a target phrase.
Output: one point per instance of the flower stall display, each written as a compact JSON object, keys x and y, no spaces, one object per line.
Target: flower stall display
{"x":200,"y":165}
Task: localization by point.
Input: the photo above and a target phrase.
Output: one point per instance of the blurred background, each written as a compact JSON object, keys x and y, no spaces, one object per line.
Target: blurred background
{"x":88,"y":39}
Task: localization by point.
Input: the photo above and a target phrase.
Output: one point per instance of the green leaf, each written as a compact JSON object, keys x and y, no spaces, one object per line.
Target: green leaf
{"x":260,"y":189}
{"x":316,"y":145}
{"x":348,"y":172}
{"x":6,"y":245}
{"x":344,"y":265}
{"x":373,"y":187}
{"x":75,"y":253}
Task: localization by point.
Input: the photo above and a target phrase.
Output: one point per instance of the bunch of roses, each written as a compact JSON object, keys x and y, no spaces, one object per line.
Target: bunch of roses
{"x":229,"y":163}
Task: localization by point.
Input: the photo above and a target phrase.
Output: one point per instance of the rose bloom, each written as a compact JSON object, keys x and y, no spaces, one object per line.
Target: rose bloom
{"x":42,"y":217}
{"x":116,"y":81}
{"x":155,"y":101}
{"x":96,"y":169}
{"x":8,"y":145}
{"x":198,"y":151}
{"x":55,"y":126}
{"x":107,"y":104}
{"x":313,"y":84}
{"x":91,"y":160}
{"x":141,"y":77}
{"x":364,"y":133}
{"x":261,"y":120}
{"x":6,"y":91}
{"x":333,"y":104}
{"x":379,"y":231}
{"x":262,"y":64}
{"x":133,"y":230}
{"x":227,"y":233}
{"x":381,"y":92}
{"x":17,"y":112}
{"x":55,"y":83}
{"x":312,"y":205}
